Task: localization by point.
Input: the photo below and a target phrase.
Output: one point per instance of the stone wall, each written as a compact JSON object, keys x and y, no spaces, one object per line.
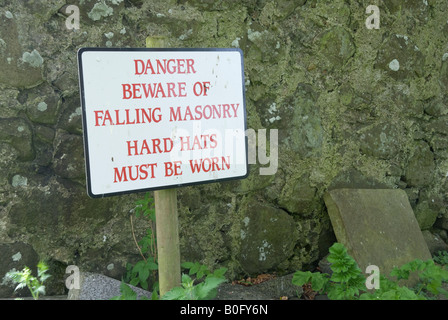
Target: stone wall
{"x":354,"y":106}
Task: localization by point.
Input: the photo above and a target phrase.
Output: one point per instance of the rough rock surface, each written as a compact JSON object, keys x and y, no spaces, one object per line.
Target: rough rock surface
{"x":345,"y":99}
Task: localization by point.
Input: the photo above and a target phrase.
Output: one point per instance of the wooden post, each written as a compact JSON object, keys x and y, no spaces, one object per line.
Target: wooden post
{"x":167,"y":229}
{"x":167,"y":225}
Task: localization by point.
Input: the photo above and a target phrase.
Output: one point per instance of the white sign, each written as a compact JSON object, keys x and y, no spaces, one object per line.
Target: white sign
{"x":160,"y":118}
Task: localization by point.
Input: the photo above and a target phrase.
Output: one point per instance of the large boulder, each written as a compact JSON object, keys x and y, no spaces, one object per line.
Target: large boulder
{"x":268,"y":237}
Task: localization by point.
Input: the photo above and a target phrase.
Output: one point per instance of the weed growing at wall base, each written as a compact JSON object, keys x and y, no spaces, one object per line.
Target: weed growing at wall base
{"x":347,"y":281}
{"x":24,"y":279}
{"x":144,"y":271}
{"x":204,"y":290}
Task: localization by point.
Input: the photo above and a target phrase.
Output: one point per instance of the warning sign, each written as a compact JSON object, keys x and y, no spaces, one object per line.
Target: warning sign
{"x":160,"y":118}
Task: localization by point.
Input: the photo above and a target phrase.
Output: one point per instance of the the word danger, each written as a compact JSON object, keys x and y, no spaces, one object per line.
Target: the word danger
{"x":163,"y":66}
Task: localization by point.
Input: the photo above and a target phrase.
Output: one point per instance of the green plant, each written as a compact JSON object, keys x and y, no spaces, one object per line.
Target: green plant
{"x":127,"y":293}
{"x":139,"y":274}
{"x":148,"y":244}
{"x":345,"y":282}
{"x":390,"y":290}
{"x":441,"y":257}
{"x":204,"y":290}
{"x":145,"y":270}
{"x":430,"y":275}
{"x":24,"y":279}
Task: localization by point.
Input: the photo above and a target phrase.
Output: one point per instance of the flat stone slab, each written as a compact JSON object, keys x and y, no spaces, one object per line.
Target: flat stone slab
{"x":95,"y":286}
{"x":378,"y":227}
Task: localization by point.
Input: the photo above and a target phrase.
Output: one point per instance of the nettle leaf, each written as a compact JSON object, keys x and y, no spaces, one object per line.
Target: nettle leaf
{"x":195,"y":268}
{"x":219,"y":273}
{"x":187,"y":265}
{"x":186,"y":280}
{"x":139,"y":266}
{"x":206,"y":289}
{"x":143,"y":275}
{"x":203,"y":270}
{"x":176,"y":293}
{"x":150,"y":265}
{"x":134,"y":281}
{"x":127,"y":292}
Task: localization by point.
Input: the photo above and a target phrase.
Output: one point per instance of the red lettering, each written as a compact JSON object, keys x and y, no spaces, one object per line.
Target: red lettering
{"x":197,"y":89}
{"x":198,"y":111}
{"x":133,"y":147}
{"x":171,"y":92}
{"x":190,"y":68}
{"x":133,"y":173}
{"x":137,"y":63}
{"x":172,"y":69}
{"x":143,"y":171}
{"x":117,"y":117}
{"x":188,"y":113}
{"x":136,"y":148}
{"x":127,"y":94}
{"x":145,"y":147}
{"x":175,"y":115}
{"x":196,"y":143}
{"x":121,"y":176}
{"x":207,"y":107}
{"x":185,"y":143}
{"x":108,"y":118}
{"x":169,"y":170}
{"x":156,"y":144}
{"x":166,"y":142}
{"x":180,"y":66}
{"x":226,"y":112}
{"x":213,"y":141}
{"x":127,"y":117}
{"x":149,"y":66}
{"x":235,"y":109}
{"x":163,"y":66}
{"x":136,"y":91}
{"x":160,"y":89}
{"x":97,"y":117}
{"x":208,"y":164}
{"x":148,"y":90}
{"x":182,"y":89}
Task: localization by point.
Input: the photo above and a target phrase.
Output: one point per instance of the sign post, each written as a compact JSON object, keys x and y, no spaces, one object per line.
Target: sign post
{"x":167,"y":229}
{"x":167,"y":225}
{"x":159,"y":118}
